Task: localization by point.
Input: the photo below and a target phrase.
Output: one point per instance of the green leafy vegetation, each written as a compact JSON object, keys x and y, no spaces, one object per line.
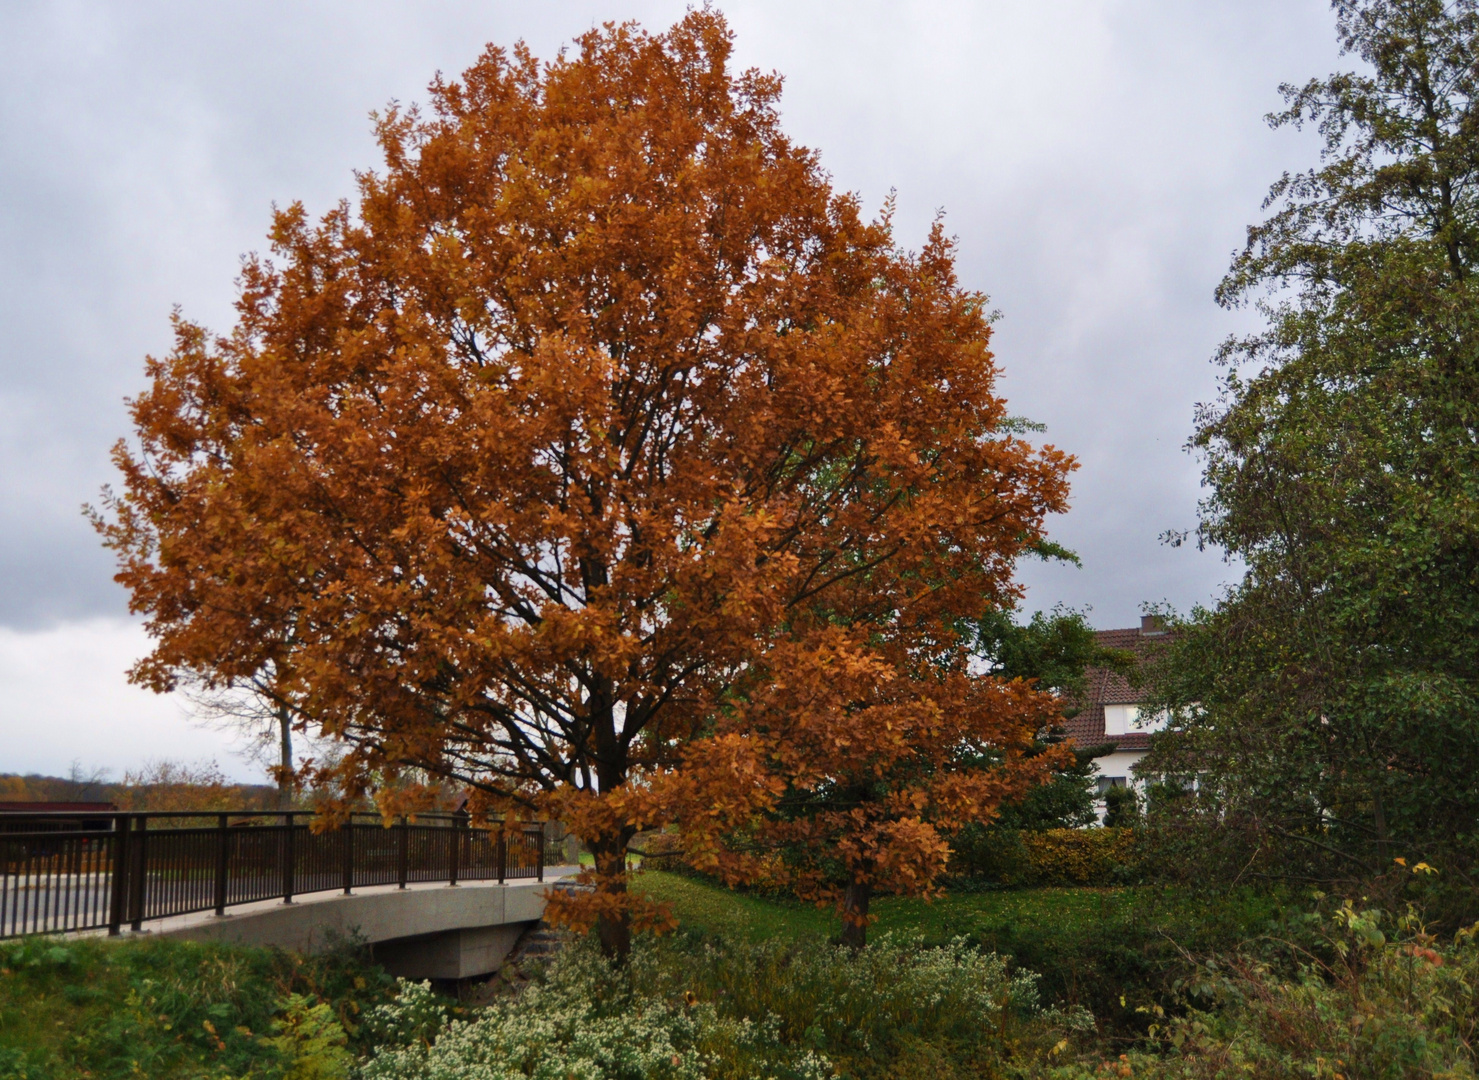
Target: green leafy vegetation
{"x":163,"y":1009}
{"x":1397,"y":1009}
{"x":997,"y":857}
{"x":1037,"y":984}
{"x":691,"y":1007}
{"x":1333,"y":990}
{"x":1121,"y":808}
{"x":1111,"y":950}
{"x":1055,"y":651}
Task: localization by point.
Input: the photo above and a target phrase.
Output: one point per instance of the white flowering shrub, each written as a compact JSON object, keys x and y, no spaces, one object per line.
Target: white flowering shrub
{"x":681,"y":1010}
{"x":587,"y":1021}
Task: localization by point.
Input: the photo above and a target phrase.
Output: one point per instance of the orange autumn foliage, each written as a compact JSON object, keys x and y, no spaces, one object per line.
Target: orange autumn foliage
{"x":602,"y":458}
{"x":859,"y":758}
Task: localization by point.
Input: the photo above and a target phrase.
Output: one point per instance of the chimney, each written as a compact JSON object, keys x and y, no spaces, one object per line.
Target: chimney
{"x":1152,"y":624}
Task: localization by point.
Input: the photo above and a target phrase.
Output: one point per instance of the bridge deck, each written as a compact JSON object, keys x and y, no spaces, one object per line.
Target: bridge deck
{"x":374,"y":914}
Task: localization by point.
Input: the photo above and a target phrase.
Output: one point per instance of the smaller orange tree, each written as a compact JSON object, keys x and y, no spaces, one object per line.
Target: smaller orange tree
{"x":858,"y":764}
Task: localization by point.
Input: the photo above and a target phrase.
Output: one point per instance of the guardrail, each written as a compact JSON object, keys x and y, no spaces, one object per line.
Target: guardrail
{"x":63,"y":872}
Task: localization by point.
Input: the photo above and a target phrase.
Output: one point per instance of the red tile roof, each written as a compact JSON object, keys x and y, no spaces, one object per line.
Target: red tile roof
{"x":1105,"y":687}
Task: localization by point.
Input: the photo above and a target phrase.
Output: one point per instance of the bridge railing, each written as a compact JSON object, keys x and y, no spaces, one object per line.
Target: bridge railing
{"x":63,"y":872}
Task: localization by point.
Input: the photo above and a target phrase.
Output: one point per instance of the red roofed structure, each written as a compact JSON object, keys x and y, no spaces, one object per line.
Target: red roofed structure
{"x":1110,"y":713}
{"x":27,"y":817}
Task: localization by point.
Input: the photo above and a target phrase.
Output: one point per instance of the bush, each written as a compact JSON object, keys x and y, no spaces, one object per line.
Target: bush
{"x":684,"y":1008}
{"x":572,"y":1026}
{"x":587,"y":1020}
{"x":659,"y":850}
{"x":163,"y":1009}
{"x":1120,"y":952}
{"x":1377,"y":1010}
{"x":1049,"y":857}
{"x":1079,"y":856}
{"x":1121,"y":808}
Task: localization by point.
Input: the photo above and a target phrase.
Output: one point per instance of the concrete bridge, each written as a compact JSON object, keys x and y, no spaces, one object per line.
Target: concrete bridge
{"x":431,"y":931}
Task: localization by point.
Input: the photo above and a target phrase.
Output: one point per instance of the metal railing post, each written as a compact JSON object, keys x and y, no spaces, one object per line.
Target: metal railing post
{"x":540,"y":834}
{"x":289,"y":859}
{"x":349,"y":855}
{"x":459,"y":823}
{"x":138,"y":879}
{"x":502,"y":854}
{"x":117,"y":908}
{"x":403,"y":854}
{"x":223,"y":838}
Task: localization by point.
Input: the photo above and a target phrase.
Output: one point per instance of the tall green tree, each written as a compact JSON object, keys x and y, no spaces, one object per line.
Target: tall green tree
{"x":1330,"y":702}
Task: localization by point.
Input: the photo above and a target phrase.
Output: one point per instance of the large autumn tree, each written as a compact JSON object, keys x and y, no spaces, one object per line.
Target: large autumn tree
{"x":599,"y":424}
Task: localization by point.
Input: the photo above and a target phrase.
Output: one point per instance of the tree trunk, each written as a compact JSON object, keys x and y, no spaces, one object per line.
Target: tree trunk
{"x":610,"y":849}
{"x":1379,"y":815}
{"x":285,"y":764}
{"x":613,"y":930}
{"x":855,"y":914}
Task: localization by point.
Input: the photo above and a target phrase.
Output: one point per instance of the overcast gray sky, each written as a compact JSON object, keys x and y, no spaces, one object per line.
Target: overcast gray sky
{"x":1097,"y":159}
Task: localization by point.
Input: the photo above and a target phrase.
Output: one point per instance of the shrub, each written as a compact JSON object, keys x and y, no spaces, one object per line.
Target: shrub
{"x":1079,"y":856}
{"x":1049,"y":857}
{"x":1121,"y":807}
{"x":163,"y":1009}
{"x":310,"y":1040}
{"x":590,"y":1021}
{"x":894,"y":1009}
{"x":659,"y":850}
{"x":691,"y":1008}
{"x":1379,"y":1010}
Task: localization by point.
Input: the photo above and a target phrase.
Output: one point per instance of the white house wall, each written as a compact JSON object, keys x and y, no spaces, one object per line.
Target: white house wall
{"x":1120,"y":763}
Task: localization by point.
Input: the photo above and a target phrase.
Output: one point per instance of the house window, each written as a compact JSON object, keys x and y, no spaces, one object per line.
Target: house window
{"x":1120,"y":719}
{"x":1125,"y":719}
{"x":1104,"y":783}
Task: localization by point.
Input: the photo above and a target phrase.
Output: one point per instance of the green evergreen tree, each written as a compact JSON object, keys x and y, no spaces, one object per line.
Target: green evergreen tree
{"x":1121,"y":808}
{"x":1054,"y":649}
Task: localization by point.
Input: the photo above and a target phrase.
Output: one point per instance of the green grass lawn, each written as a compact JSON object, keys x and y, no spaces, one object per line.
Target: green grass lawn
{"x":1066,"y":912}
{"x":703,"y":906}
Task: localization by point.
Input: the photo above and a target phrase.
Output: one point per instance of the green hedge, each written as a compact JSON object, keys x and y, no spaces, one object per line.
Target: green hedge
{"x":1012,"y":857}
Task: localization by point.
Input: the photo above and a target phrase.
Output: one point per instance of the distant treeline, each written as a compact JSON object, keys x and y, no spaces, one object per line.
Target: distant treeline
{"x":159,"y":785}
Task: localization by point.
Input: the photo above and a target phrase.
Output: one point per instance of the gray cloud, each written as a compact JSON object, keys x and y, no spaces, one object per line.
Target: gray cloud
{"x":1098,"y":160}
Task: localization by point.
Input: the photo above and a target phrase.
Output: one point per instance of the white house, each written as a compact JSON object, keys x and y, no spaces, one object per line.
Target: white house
{"x":1110,"y":713}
